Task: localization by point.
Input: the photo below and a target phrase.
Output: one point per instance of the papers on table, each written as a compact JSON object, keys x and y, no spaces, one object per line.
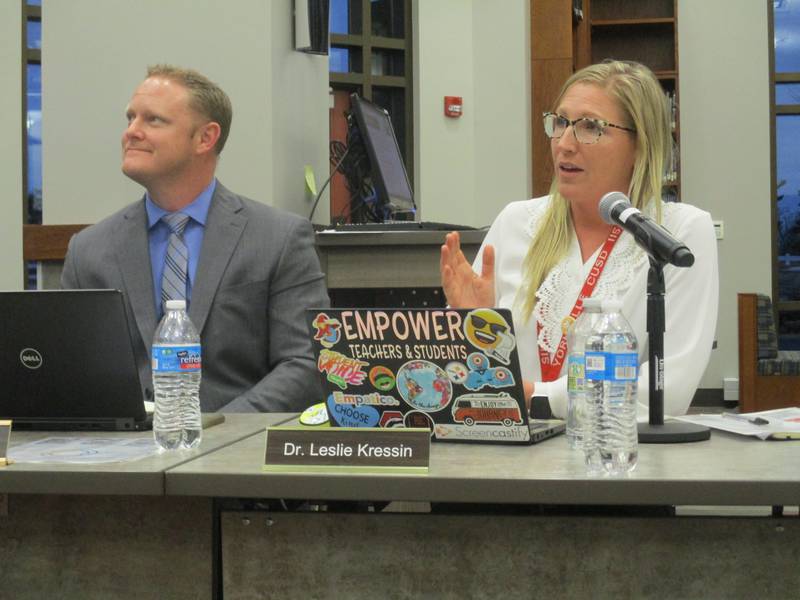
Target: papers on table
{"x":84,"y":450}
{"x":777,"y":424}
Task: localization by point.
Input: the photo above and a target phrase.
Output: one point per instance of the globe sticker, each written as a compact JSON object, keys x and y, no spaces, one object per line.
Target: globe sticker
{"x":424,"y":385}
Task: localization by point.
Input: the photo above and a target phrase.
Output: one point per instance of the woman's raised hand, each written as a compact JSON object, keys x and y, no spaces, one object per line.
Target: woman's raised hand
{"x":462,"y":287}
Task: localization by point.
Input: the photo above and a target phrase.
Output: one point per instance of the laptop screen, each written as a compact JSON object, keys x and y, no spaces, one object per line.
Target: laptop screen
{"x":66,"y":361}
{"x":453,"y":371}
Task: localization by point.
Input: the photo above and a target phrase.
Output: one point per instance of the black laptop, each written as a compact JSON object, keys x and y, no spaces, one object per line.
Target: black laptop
{"x":455,"y":372}
{"x":66,"y":362}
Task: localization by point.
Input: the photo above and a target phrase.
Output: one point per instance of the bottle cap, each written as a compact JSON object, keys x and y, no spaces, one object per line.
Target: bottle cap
{"x":176,"y":305}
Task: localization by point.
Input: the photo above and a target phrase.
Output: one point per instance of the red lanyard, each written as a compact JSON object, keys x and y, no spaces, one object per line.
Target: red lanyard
{"x":551,"y":366}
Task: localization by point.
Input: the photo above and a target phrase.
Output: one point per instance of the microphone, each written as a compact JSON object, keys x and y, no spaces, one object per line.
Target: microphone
{"x":616,"y":209}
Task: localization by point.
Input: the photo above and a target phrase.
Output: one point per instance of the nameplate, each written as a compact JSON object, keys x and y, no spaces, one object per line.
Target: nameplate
{"x":399,"y":449}
{"x":5,"y":438}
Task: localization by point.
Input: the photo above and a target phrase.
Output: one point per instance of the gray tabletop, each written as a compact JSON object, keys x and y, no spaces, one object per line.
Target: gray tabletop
{"x":140,"y":477}
{"x":725,"y":470}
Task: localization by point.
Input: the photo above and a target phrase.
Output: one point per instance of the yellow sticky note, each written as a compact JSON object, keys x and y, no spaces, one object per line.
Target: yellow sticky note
{"x":311,"y":182}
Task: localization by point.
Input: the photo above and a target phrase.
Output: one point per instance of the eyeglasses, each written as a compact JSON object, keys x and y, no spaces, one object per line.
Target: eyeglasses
{"x":495,"y":328}
{"x":586,"y":130}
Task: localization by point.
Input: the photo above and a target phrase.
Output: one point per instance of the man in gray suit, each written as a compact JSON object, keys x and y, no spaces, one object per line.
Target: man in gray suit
{"x":251,"y":270}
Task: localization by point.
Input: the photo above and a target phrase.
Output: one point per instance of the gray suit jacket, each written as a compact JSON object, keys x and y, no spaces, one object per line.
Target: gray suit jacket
{"x":257,"y":274}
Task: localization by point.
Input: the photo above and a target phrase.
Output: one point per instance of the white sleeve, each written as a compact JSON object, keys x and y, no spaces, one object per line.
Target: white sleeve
{"x":691,"y":303}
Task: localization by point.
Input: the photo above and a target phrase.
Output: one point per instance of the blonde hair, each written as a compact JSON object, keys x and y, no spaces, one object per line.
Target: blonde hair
{"x":206,"y":98}
{"x":642,"y":100}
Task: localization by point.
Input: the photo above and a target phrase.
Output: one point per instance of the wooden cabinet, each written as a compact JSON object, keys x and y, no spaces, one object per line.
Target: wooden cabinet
{"x":645,"y":31}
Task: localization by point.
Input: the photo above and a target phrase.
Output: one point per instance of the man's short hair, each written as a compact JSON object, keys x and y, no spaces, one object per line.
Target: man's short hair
{"x":205,"y":97}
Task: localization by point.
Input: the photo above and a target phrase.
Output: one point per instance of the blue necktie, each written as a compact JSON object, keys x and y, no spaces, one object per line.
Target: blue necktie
{"x":176,"y":262}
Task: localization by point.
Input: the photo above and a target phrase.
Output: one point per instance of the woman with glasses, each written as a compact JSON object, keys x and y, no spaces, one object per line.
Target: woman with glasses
{"x":609,"y":130}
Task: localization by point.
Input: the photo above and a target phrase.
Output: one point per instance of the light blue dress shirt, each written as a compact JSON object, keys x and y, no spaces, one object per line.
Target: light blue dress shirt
{"x":158,"y":237}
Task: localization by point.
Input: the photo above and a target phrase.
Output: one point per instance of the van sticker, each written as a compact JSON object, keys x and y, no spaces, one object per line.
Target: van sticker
{"x":487,"y":409}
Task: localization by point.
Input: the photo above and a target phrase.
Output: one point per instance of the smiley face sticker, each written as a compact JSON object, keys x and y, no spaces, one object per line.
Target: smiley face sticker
{"x":488,"y":331}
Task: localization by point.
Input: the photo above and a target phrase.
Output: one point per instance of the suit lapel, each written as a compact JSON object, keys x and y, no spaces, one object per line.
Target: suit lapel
{"x":224,"y":227}
{"x":133,"y":257}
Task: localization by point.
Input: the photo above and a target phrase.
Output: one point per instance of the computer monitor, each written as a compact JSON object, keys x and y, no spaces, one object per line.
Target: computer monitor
{"x":371,"y":126}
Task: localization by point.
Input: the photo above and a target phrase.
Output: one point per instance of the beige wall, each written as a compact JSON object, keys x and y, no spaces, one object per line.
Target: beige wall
{"x":11,"y":270}
{"x":96,"y":52}
{"x":468,"y":168}
{"x":725,"y":149}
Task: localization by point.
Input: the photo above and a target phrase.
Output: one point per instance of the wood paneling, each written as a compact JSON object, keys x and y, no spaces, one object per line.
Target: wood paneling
{"x":551,"y":29}
{"x":645,"y":31}
{"x":549,"y":76}
{"x":47,"y":242}
{"x":551,"y":64}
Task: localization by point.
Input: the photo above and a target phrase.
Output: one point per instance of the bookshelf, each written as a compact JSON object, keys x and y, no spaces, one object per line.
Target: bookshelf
{"x":645,"y":31}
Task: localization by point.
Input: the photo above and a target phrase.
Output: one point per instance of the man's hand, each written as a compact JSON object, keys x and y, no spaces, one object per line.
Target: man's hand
{"x":462,"y":287}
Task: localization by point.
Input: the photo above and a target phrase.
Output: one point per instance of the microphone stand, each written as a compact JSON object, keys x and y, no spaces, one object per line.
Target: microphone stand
{"x":656,"y":431}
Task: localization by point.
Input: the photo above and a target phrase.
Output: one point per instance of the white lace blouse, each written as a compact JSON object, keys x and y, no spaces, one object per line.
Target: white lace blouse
{"x":691,"y":298}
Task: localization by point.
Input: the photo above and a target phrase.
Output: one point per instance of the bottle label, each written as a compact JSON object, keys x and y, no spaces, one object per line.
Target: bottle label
{"x":575,"y":374}
{"x":611,"y":366}
{"x":176,"y":358}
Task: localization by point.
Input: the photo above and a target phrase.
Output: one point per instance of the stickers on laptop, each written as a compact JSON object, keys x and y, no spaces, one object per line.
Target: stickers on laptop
{"x":457,"y":372}
{"x":327,"y":330}
{"x":418,"y":419}
{"x":484,"y":417}
{"x":350,"y":415}
{"x":481,"y":374}
{"x":424,"y":385}
{"x":315,"y":416}
{"x":487,"y":409}
{"x":381,"y":378}
{"x":488,"y":331}
{"x":451,"y":371}
{"x":391,"y":418}
{"x":480,"y":433}
{"x":341,"y":370}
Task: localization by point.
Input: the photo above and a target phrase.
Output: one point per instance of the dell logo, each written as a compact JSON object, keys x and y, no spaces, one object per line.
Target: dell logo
{"x":29,"y":357}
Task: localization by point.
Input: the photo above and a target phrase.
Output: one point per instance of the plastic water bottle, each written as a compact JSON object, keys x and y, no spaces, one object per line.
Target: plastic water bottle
{"x":576,"y":399}
{"x":176,"y":362}
{"x":612,"y":365}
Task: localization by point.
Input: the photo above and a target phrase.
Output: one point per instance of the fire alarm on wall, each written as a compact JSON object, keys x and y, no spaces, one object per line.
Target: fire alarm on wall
{"x":452,"y":106}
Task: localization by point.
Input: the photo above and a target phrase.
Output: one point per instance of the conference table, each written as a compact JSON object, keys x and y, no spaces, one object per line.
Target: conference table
{"x":72,"y":530}
{"x":485,"y":521}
